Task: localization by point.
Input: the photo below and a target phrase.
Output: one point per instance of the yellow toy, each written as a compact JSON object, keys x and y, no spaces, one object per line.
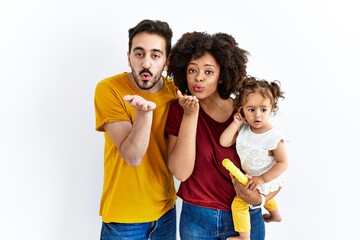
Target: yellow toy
{"x":229,"y":165}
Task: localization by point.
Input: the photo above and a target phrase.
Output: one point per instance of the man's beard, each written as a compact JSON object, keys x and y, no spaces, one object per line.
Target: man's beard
{"x":149,"y":84}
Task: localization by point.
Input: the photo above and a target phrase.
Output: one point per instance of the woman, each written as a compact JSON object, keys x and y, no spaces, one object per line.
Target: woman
{"x":208,"y":69}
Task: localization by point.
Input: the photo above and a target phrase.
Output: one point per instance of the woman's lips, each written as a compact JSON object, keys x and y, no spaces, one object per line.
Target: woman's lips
{"x":198,"y":88}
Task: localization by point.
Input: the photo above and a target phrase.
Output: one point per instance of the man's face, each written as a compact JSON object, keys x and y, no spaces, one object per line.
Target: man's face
{"x":147,"y":60}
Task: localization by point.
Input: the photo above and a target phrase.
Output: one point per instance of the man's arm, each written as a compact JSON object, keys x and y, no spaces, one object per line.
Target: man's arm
{"x":132,"y":140}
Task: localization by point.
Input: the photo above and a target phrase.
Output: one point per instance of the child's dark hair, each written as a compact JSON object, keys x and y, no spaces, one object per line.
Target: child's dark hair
{"x":270,"y":90}
{"x":154,"y":27}
{"x":221,"y":46}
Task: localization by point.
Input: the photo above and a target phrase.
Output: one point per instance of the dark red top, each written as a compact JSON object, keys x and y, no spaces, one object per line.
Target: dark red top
{"x":210,"y":183}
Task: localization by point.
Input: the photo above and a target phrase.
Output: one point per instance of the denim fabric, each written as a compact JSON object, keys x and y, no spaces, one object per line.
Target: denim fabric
{"x":257,"y":231}
{"x":164,"y":228}
{"x":204,"y":223}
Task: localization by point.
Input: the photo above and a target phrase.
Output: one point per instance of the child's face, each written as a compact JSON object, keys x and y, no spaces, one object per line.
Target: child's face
{"x":257,"y":111}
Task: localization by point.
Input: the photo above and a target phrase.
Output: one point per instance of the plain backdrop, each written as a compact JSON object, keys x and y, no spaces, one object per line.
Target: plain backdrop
{"x":53,"y":53}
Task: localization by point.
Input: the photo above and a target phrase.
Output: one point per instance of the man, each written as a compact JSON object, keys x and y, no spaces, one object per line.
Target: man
{"x":138,"y":199}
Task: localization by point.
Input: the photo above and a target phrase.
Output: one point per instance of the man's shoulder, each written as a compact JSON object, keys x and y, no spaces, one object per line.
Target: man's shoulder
{"x":113,"y":82}
{"x":170,"y":83}
{"x":113,"y":85}
{"x":115,"y":77}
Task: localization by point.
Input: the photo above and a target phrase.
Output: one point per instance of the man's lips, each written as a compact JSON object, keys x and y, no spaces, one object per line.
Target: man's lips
{"x":145,"y":76}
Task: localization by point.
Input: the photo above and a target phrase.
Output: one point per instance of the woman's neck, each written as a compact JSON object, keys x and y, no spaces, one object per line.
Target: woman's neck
{"x":217,"y":108}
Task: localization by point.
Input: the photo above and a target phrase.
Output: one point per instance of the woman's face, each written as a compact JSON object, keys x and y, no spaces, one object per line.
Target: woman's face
{"x":203,"y":76}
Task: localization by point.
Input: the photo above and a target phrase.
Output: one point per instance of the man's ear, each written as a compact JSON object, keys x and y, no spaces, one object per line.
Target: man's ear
{"x":128,"y":57}
{"x":166,"y":65}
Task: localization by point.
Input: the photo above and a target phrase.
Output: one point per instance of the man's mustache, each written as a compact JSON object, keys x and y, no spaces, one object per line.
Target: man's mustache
{"x":146,"y":71}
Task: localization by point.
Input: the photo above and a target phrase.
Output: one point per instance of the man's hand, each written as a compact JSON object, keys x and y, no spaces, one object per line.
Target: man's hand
{"x":139,"y":103}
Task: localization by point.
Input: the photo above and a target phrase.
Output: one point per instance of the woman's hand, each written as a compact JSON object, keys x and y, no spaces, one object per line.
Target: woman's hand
{"x":190,"y":104}
{"x":251,"y":197}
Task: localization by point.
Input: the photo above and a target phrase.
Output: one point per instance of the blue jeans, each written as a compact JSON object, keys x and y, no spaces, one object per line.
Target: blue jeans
{"x":211,"y":224}
{"x":163,"y":228}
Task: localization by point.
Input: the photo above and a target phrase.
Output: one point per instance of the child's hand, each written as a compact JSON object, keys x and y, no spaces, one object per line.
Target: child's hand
{"x":140,"y":103}
{"x":238,"y":119}
{"x":190,"y":104}
{"x":254,"y":182}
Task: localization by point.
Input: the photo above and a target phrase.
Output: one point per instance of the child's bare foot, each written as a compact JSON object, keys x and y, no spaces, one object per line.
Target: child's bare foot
{"x":234,"y":238}
{"x":238,"y":238}
{"x":271,"y":217}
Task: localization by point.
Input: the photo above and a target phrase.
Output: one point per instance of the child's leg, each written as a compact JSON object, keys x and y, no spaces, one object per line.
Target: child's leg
{"x":273,"y":215}
{"x":241,"y":219}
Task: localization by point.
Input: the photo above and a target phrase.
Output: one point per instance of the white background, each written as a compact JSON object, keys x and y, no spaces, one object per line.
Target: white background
{"x":52,"y":54}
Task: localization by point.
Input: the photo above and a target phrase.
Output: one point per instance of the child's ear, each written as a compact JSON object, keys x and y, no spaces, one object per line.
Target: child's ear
{"x":241,"y":111}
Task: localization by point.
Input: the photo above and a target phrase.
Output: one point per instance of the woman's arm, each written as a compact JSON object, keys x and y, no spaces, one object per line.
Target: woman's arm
{"x":182,"y":149}
{"x":251,"y":197}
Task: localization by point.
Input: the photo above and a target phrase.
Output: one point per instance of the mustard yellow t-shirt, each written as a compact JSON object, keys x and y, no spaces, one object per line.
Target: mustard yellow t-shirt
{"x":134,"y":194}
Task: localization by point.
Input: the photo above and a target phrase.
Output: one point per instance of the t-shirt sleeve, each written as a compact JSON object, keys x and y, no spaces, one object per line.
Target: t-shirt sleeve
{"x":109,"y":106}
{"x":174,"y":118}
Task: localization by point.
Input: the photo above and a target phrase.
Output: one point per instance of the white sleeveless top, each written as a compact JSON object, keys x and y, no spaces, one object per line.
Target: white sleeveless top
{"x":253,"y":150}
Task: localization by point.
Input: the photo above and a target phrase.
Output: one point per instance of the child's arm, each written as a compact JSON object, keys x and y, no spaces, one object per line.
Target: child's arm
{"x":280,"y":166}
{"x":228,"y":137}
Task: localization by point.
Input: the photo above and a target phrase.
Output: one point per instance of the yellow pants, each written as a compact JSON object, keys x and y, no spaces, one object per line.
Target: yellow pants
{"x":241,"y":216}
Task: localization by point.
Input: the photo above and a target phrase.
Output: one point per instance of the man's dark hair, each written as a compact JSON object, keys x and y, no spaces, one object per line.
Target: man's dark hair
{"x":157,"y":27}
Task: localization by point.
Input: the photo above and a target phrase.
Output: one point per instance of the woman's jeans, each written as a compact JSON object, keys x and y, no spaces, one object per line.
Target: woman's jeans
{"x":163,"y":228}
{"x":205,"y":223}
